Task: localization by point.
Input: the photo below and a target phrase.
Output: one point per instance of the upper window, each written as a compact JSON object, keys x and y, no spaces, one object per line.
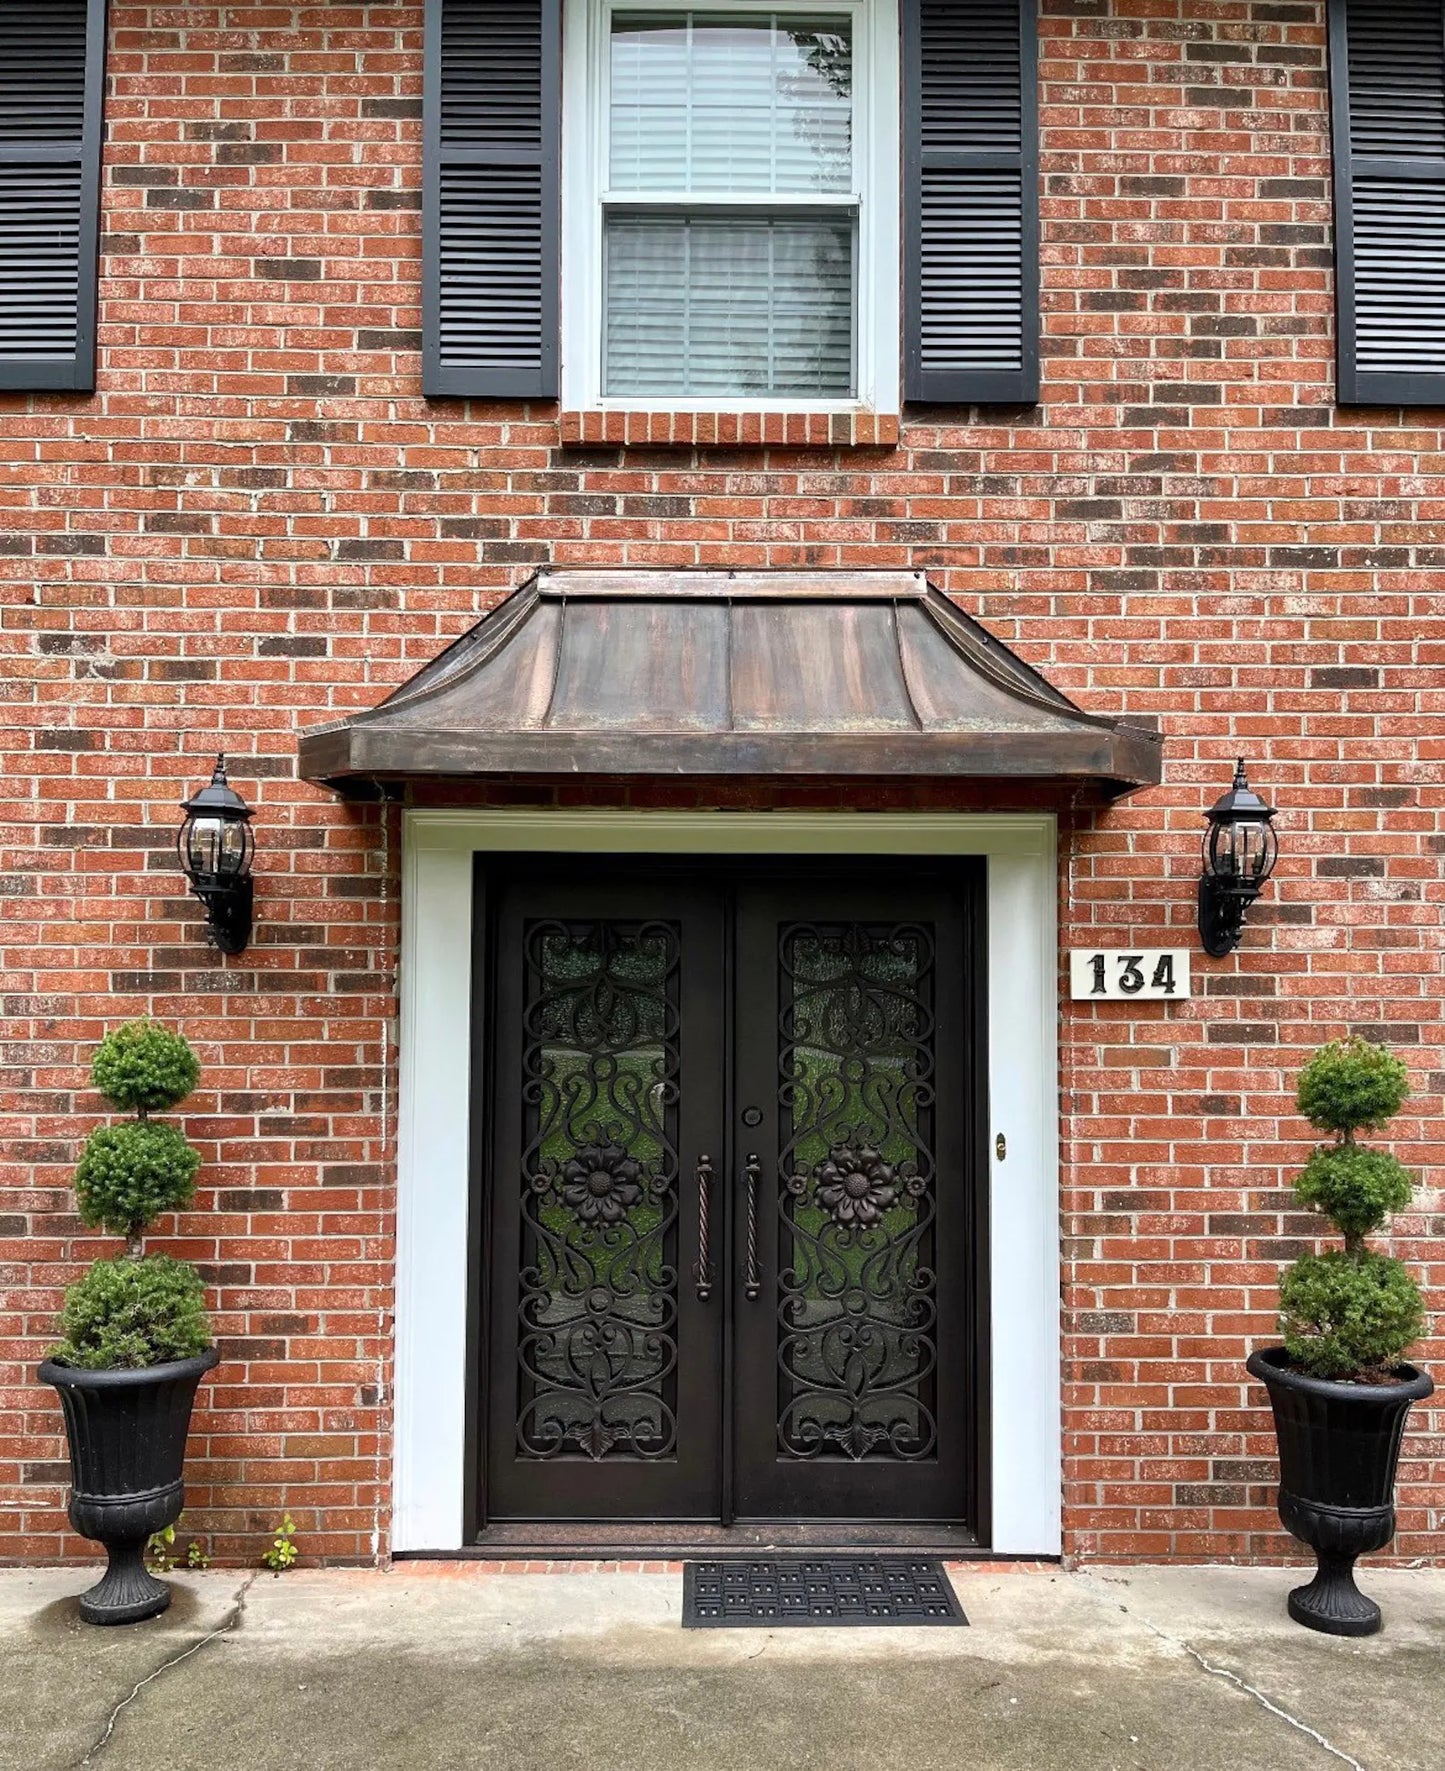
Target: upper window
{"x":1387,"y":69}
{"x":723,"y":206}
{"x":747,"y":206}
{"x":730,"y":224}
{"x":51,"y":85}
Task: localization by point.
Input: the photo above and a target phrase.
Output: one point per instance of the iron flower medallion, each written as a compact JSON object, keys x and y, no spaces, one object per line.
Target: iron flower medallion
{"x":601,"y":1183}
{"x":856,"y":1185}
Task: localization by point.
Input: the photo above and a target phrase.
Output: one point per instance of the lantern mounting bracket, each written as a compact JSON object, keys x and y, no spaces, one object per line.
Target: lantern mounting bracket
{"x":229,"y":915}
{"x":1221,"y":919}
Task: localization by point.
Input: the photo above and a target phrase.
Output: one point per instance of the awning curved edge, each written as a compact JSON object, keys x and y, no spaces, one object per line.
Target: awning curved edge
{"x":705,"y":674}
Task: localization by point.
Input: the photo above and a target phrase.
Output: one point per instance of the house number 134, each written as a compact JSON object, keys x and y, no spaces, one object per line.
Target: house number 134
{"x":1113,"y":973}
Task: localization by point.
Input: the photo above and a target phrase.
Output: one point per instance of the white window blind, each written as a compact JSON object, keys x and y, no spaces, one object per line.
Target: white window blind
{"x":750,"y":103}
{"x":729,"y":305}
{"x":731,"y":216}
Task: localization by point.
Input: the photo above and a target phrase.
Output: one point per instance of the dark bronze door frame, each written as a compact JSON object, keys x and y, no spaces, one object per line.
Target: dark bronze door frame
{"x":729,"y":1229}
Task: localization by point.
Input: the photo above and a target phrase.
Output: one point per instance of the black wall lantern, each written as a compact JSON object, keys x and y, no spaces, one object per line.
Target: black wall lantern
{"x":1240,"y":849}
{"x":215,"y":846}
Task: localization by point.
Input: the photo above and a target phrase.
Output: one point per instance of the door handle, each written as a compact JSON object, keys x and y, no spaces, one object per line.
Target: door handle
{"x":752,"y":1279}
{"x":702,"y":1267}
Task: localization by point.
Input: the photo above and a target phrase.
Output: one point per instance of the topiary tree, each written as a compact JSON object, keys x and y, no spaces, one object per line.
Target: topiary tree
{"x":136,"y":1310}
{"x":143,"y":1068}
{"x":1351,"y":1313}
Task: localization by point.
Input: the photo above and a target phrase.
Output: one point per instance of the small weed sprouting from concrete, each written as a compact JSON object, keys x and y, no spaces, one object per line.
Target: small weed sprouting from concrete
{"x":282,"y":1552}
{"x":161,"y":1550}
{"x":161,"y":1555}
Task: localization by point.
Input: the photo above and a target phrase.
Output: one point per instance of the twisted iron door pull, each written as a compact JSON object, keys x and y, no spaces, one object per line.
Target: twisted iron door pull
{"x":752,"y":1279}
{"x":702,"y":1267}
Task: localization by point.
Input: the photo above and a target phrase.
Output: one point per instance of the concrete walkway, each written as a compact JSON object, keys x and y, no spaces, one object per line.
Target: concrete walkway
{"x":1141,"y":1669}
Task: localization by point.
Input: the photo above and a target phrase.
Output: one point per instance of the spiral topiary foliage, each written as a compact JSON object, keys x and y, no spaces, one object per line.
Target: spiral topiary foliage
{"x":1352,"y":1086}
{"x":134,"y":1311}
{"x":1351,"y":1313}
{"x":143,"y":1067}
{"x":125,"y":1314}
{"x":129,"y":1174}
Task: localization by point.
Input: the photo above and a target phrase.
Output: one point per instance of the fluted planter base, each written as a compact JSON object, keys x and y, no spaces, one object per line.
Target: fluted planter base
{"x":1339,"y":1444}
{"x":127,"y":1433}
{"x":1332,"y":1603}
{"x":127,"y":1592}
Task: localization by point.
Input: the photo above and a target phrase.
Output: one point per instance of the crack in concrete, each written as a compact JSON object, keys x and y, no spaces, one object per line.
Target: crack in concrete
{"x":1224,"y":1672}
{"x":230,"y":1622}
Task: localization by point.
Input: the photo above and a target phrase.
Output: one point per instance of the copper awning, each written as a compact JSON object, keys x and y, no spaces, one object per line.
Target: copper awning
{"x":863,"y":674}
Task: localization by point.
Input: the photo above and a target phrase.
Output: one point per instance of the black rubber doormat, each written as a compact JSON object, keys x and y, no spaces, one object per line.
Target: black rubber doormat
{"x":819,"y":1590}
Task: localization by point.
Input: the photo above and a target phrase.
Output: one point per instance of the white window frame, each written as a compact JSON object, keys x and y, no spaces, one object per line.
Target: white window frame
{"x":877,"y":125}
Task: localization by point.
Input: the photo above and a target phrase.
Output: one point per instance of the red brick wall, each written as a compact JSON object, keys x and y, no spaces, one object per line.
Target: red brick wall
{"x":257,"y":523}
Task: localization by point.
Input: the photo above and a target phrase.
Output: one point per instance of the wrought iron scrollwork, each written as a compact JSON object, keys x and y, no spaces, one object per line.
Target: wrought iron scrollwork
{"x":597,"y":1312}
{"x":857,"y":1307}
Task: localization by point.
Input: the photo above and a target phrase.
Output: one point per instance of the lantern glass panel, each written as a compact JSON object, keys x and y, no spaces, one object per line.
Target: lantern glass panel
{"x":217,"y":847}
{"x":1254,"y":848}
{"x":1219,"y":855}
{"x":1240,"y":851}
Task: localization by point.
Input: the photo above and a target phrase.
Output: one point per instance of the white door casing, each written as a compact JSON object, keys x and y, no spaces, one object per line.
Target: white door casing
{"x":433,"y":1174}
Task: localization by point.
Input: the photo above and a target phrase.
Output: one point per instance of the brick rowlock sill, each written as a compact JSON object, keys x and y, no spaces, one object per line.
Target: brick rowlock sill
{"x":804,"y":430}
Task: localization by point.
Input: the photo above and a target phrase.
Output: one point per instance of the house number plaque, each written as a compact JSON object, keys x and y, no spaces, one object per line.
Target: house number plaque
{"x":1114,"y":973}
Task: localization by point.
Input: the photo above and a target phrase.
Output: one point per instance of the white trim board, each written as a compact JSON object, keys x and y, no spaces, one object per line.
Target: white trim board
{"x":432,"y":1156}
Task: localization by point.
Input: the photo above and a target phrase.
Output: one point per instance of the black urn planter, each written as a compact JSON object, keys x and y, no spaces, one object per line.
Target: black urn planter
{"x":1339,"y":1444}
{"x":127,"y":1432}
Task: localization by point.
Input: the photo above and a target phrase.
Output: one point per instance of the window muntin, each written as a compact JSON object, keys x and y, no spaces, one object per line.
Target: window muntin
{"x":730,"y":205}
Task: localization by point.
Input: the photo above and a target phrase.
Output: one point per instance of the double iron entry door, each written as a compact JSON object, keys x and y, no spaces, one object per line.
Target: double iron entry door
{"x":732,"y":1211}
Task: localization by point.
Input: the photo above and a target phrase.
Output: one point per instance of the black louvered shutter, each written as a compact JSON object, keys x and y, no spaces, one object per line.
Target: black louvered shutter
{"x":493,"y":98}
{"x":971,"y":214}
{"x":51,"y":85}
{"x":1387,"y":74}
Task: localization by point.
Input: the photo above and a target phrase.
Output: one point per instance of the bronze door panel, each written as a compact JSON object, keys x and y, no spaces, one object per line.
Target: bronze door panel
{"x":731,"y":1254}
{"x":854,"y":1360}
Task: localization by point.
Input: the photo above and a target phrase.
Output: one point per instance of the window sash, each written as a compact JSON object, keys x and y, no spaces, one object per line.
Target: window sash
{"x":710,"y":353}
{"x":695,"y":146}
{"x":724,"y":331}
